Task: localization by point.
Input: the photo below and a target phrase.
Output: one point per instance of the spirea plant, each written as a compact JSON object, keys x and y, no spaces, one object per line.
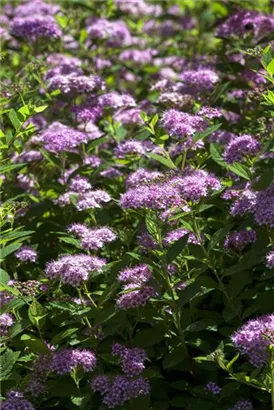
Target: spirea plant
{"x":137,"y":205}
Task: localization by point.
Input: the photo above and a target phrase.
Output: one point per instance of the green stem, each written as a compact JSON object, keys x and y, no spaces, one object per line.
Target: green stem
{"x":86,"y":319}
{"x":212,"y":267}
{"x":184,"y":160}
{"x":272,"y":378}
{"x":89,"y":297}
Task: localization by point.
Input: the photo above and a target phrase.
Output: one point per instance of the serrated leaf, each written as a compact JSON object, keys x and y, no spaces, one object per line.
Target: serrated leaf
{"x":34,"y":344}
{"x":7,"y":361}
{"x":71,"y":241}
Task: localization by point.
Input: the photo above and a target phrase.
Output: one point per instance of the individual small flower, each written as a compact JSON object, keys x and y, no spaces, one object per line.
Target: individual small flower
{"x":180,"y":124}
{"x":67,"y":360}
{"x":238,"y":240}
{"x":74,"y":269}
{"x":239,"y":147}
{"x":270,"y":260}
{"x":213,"y":388}
{"x":26,"y":254}
{"x":254,"y":338}
{"x":35,"y":26}
{"x":15,"y":401}
{"x":242,"y":405}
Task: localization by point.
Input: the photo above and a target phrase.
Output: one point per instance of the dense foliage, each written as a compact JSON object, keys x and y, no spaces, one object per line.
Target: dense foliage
{"x":137,"y":205}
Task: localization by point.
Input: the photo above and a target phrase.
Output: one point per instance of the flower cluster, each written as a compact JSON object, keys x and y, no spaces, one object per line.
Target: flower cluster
{"x":74,"y":269}
{"x":119,"y":389}
{"x":15,"y":401}
{"x":254,"y":338}
{"x":92,"y":238}
{"x":137,"y":292}
{"x":26,"y":254}
{"x":238,"y":240}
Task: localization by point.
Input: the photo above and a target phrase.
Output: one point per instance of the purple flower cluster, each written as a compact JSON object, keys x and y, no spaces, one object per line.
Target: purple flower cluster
{"x":196,"y":184}
{"x":244,"y":22}
{"x":15,"y":401}
{"x":138,"y":56}
{"x":74,"y":269}
{"x":92,"y":238}
{"x":154,"y":196}
{"x":121,"y":388}
{"x":138,"y":8}
{"x":115,"y":33}
{"x":260,"y":204}
{"x":201,"y":79}
{"x":80,"y":189}
{"x":36,"y":7}
{"x":136,"y":288}
{"x":213,"y":388}
{"x":146,"y":242}
{"x":73,"y":83}
{"x":238,"y":240}
{"x":6,"y":321}
{"x":173,"y":236}
{"x":239,"y":147}
{"x":26,"y":254}
{"x":67,"y":360}
{"x":180,"y":124}
{"x":132,"y":360}
{"x":115,"y":100}
{"x":242,"y":405}
{"x":253,"y":339}
{"x":35,"y":27}
{"x":59,"y":137}
{"x":270,"y":260}
{"x":141,"y":177}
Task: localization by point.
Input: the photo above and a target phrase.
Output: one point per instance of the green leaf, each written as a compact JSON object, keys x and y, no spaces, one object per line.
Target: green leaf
{"x":174,"y":358}
{"x":7,"y":250}
{"x":240,"y":170}
{"x":14,"y":304}
{"x":176,"y":248}
{"x":236,"y":168}
{"x":7,"y":361}
{"x":149,"y":337}
{"x":266,"y":178}
{"x":36,"y":313}
{"x":15,"y":235}
{"x":40,"y":109}
{"x":34,"y":344}
{"x":270,"y":67}
{"x":218,"y":237}
{"x":14,"y":119}
{"x":163,"y":160}
{"x":18,"y":328}
{"x":63,"y":335}
{"x":4,"y":276}
{"x":189,"y":293}
{"x":202,"y":135}
{"x":200,"y":325}
{"x":71,"y":241}
{"x":154,"y":120}
{"x":6,"y":168}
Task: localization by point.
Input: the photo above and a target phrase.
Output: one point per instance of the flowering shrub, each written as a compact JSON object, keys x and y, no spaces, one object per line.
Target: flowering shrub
{"x":137,"y":205}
